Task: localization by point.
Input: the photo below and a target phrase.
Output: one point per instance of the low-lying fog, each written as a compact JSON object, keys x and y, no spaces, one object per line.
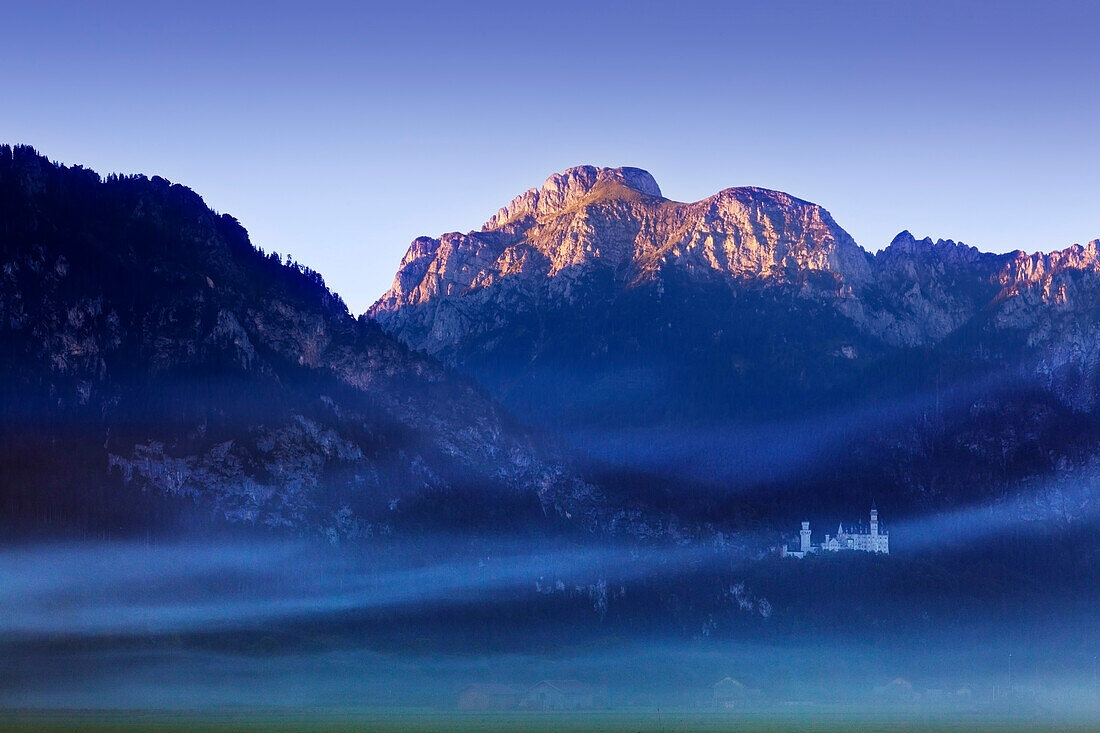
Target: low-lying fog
{"x":429,"y":624}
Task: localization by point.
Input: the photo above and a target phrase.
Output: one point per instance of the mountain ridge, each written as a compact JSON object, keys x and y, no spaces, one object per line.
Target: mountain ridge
{"x":614,"y":318}
{"x":177,"y":363}
{"x":184,"y":371}
{"x":744,"y":234}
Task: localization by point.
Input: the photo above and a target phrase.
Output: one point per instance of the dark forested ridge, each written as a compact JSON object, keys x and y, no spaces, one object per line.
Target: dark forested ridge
{"x":160,"y":370}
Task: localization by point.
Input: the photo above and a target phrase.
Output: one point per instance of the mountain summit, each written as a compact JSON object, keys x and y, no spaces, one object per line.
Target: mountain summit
{"x":565,"y":189}
{"x":596,"y":306}
{"x":595,"y":245}
{"x":590,"y":233}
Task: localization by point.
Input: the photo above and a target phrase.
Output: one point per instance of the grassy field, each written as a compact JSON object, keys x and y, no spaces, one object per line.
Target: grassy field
{"x":460,"y":722}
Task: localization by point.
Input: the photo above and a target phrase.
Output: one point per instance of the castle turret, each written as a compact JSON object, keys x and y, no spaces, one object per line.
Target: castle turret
{"x":860,"y":538}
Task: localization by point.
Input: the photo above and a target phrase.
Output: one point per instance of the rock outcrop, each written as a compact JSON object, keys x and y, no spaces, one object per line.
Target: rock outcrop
{"x":610,"y":226}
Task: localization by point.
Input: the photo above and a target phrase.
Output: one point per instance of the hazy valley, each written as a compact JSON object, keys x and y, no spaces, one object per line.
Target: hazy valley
{"x":588,"y":426}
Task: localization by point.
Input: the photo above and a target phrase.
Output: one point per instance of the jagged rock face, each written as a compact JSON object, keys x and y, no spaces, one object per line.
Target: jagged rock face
{"x":595,"y":241}
{"x":924,"y":290}
{"x":1050,"y":301}
{"x":149,"y":349}
{"x":563,"y":190}
{"x":551,"y":247}
{"x":616,"y":218}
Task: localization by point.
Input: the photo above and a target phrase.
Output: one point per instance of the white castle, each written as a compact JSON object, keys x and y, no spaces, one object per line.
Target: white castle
{"x":860,"y":538}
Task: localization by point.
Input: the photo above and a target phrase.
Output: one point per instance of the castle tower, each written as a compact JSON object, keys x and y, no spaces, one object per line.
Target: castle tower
{"x":804,"y":538}
{"x":874,"y":521}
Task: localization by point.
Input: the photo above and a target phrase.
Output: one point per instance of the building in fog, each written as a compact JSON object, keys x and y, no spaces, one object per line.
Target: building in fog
{"x":559,"y":695}
{"x":486,"y":696}
{"x":859,"y":538}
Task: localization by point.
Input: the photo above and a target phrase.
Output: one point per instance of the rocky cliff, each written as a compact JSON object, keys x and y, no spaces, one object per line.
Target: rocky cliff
{"x":609,"y":226}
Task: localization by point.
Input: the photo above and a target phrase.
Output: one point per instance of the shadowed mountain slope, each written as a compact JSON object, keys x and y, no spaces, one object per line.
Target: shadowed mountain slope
{"x":159,"y":369}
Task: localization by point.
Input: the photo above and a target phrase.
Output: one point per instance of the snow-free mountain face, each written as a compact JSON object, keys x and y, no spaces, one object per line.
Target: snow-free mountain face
{"x":591,"y":237}
{"x":157,"y":366}
{"x":596,"y":306}
{"x":610,"y":226}
{"x":596,"y":282}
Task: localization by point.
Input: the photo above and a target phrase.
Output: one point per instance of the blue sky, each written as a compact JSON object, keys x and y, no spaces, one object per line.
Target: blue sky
{"x":337,"y":132}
